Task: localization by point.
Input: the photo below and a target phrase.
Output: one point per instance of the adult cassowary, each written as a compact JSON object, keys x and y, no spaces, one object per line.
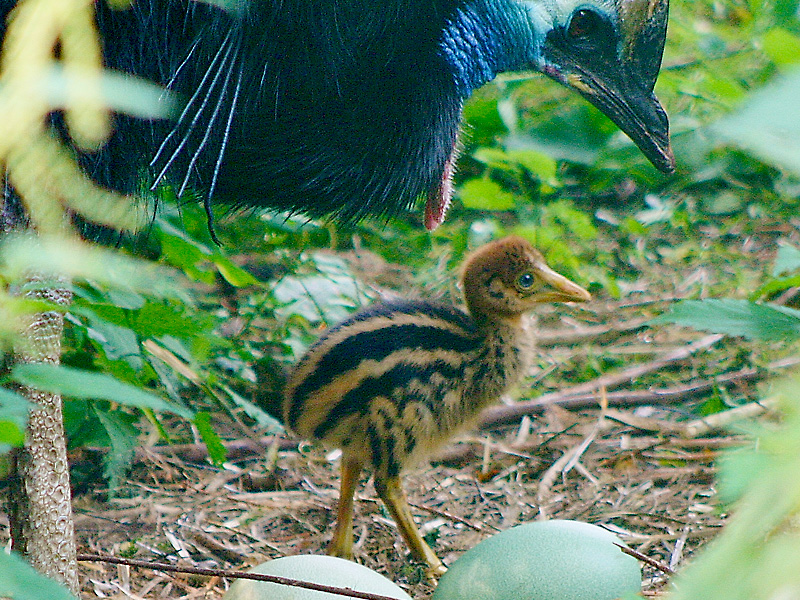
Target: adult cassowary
{"x":352,"y":107}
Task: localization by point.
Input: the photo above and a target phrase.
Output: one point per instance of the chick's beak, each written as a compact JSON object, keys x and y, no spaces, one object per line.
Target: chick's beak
{"x":559,"y":288}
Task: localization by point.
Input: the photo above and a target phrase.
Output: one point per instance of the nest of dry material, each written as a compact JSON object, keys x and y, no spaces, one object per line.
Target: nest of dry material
{"x":625,"y":450}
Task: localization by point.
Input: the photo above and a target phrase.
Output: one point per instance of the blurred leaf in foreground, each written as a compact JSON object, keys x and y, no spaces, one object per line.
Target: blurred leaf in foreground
{"x":757,"y":556}
{"x":62,"y":257}
{"x":14,"y":411}
{"x":19,"y":581}
{"x":769,"y":123}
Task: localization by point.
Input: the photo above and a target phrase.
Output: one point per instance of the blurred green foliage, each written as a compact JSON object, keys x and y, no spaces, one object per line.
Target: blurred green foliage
{"x":537,"y":161}
{"x":757,"y":555}
{"x":19,"y":581}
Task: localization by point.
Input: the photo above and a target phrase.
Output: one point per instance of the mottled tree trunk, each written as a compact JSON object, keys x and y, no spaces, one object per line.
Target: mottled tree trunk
{"x":40,"y":500}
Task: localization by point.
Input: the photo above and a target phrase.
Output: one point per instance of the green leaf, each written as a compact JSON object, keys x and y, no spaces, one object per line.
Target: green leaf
{"x":14,"y":407}
{"x":10,"y":435}
{"x":117,"y":342}
{"x":193,"y":257}
{"x":782,"y":47}
{"x":485,"y":194}
{"x":189,"y":256}
{"x":216,"y":450}
{"x":19,"y":581}
{"x":156,"y":319}
{"x":736,"y":317}
{"x":260,"y":416}
{"x":786,"y":12}
{"x":119,"y":330}
{"x":576,"y":221}
{"x":233,"y":273}
{"x":122,"y":436}
{"x":14,"y":411}
{"x":724,"y":89}
{"x":125,"y":299}
{"x":538,"y":164}
{"x":775,"y":286}
{"x":495,"y":158}
{"x":82,"y":426}
{"x":76,"y":383}
{"x":316,"y":298}
{"x":769,"y":123}
{"x":60,"y":259}
{"x":329,"y":297}
{"x":484,"y":119}
{"x":787,"y":260}
{"x":558,"y":131}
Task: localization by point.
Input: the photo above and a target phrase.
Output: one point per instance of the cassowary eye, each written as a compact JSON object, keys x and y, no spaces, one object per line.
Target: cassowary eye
{"x":525,"y":281}
{"x":583,"y":24}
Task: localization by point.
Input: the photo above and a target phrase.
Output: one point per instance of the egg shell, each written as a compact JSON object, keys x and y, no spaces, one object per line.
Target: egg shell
{"x":545,"y":560}
{"x":325,"y":570}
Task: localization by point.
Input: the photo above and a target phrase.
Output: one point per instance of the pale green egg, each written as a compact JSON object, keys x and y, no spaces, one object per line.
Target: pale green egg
{"x":545,"y":560}
{"x":325,"y":570}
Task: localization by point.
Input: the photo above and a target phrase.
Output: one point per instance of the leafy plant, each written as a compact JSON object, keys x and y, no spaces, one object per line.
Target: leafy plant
{"x":767,"y":322}
{"x":756,"y":556}
{"x":19,"y":581}
{"x":14,"y":411}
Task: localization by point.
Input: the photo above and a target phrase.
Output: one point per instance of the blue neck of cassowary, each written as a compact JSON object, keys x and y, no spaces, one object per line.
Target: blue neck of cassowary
{"x":487,"y":37}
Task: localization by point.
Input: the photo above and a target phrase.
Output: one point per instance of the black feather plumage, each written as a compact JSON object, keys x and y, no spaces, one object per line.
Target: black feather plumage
{"x":328,"y":107}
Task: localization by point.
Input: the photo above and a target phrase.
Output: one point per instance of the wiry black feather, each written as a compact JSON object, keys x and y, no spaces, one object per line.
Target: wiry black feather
{"x":329,"y":107}
{"x":352,"y":107}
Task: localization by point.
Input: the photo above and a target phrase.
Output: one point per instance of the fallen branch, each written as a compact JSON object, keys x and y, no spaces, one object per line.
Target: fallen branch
{"x":596,"y":333}
{"x":235,"y":450}
{"x":246,"y":448}
{"x":165,"y":567}
{"x":657,"y":564}
{"x":502,"y":414}
{"x":576,"y":396}
{"x":450,"y":516}
{"x":724,"y":419}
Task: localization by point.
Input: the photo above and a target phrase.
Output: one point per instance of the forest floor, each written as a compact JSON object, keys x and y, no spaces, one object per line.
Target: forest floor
{"x":632,"y":449}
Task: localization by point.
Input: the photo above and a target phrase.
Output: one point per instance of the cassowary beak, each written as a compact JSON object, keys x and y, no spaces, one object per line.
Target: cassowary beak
{"x":619,"y":79}
{"x":635,"y":111}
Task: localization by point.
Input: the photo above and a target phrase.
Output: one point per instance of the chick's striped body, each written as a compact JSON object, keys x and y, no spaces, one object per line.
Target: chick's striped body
{"x":397,"y":379}
{"x":427,"y":371}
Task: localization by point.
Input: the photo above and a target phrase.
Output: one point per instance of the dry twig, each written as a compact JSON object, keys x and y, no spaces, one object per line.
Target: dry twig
{"x":233,"y":575}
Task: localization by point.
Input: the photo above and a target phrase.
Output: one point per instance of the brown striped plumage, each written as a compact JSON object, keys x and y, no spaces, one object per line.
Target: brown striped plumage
{"x":397,"y":379}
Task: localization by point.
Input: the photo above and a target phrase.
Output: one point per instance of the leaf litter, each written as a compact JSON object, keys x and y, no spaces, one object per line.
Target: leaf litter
{"x":621,"y":427}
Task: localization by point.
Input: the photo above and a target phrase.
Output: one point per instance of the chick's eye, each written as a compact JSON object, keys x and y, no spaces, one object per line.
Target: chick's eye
{"x":584,"y":23}
{"x":525,"y":281}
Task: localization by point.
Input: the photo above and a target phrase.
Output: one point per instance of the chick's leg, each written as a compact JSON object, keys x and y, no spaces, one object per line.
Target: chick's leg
{"x":394,"y":498}
{"x":342,"y":542}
